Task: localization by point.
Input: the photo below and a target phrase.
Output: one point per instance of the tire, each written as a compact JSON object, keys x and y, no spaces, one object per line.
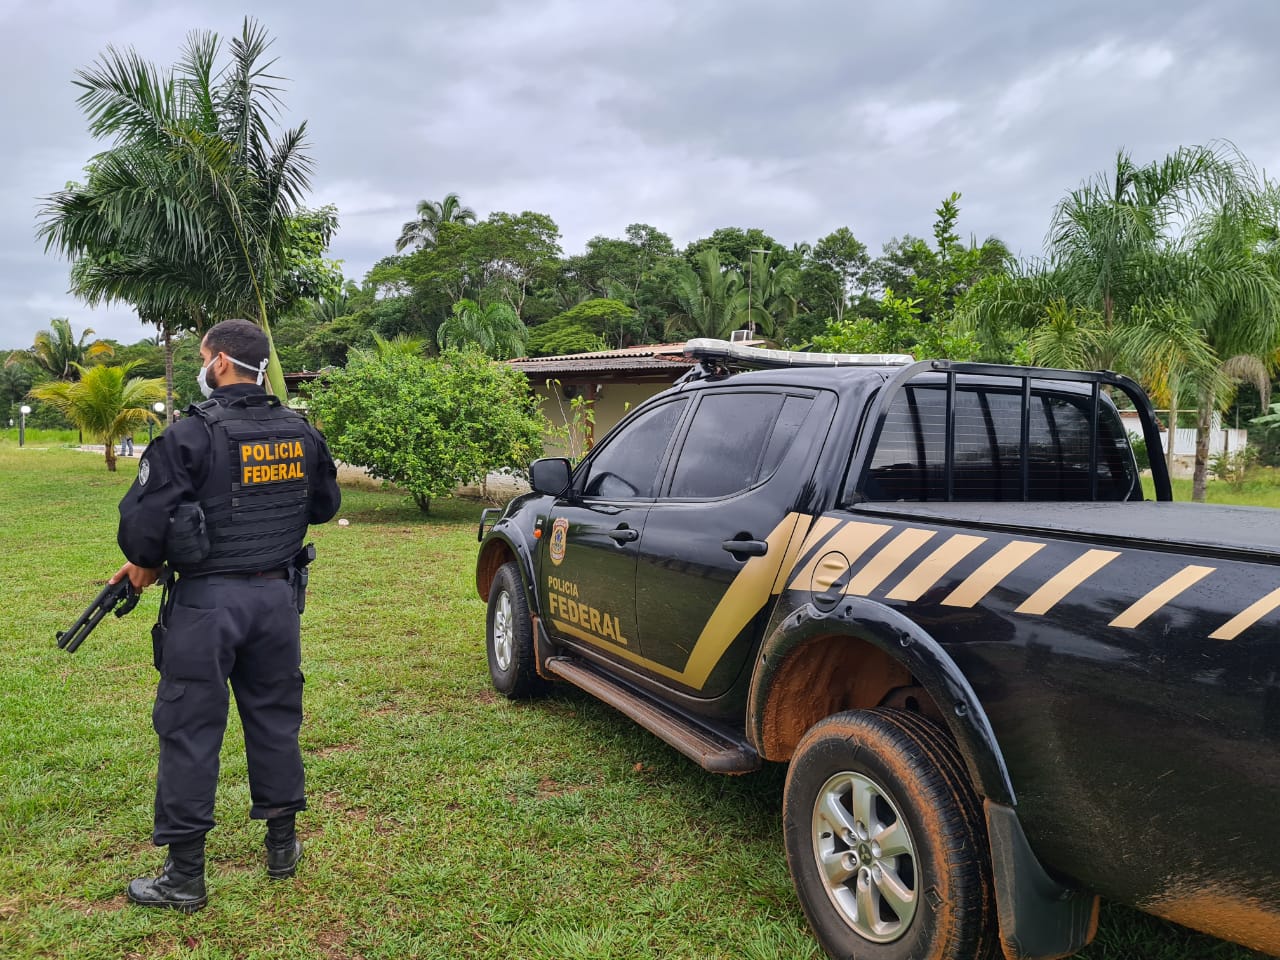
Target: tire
{"x":865,"y":783}
{"x":509,"y":637}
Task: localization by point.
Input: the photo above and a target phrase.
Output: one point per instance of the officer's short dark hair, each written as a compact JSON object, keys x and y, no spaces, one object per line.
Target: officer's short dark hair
{"x":240,"y":339}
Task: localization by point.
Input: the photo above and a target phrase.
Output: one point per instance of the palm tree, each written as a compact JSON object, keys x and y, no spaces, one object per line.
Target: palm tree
{"x":59,"y":353}
{"x":422,"y":231}
{"x":105,"y":403}
{"x":772,"y":288}
{"x":1101,"y":229}
{"x":494,"y":328}
{"x":189,"y":215}
{"x":706,"y":300}
{"x":400,"y":345}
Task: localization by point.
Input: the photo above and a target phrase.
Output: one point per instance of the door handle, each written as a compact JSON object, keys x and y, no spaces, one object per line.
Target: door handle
{"x":746,"y":548}
{"x":624,"y":534}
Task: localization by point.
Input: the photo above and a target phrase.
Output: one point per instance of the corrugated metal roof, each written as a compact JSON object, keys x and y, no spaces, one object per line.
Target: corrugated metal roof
{"x":646,"y":358}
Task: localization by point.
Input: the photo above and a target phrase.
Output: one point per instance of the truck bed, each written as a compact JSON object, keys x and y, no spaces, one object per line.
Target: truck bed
{"x":1229,"y":532}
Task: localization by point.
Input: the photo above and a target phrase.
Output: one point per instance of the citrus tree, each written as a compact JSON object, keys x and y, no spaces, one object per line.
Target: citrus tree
{"x":429,"y":424}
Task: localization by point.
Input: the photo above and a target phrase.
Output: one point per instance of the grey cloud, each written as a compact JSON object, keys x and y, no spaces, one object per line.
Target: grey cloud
{"x":797,"y":118}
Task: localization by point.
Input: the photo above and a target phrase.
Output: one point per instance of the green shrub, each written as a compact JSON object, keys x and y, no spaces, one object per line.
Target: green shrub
{"x":429,"y":424}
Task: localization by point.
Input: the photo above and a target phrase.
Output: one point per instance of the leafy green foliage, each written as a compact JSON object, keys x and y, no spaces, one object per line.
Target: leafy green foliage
{"x":584,"y":327}
{"x":428,"y":424}
{"x":60,"y":354}
{"x":899,"y":330}
{"x":493,"y":328}
{"x":422,"y":231}
{"x":577,"y":423}
{"x":105,"y":403}
{"x":193,"y":213}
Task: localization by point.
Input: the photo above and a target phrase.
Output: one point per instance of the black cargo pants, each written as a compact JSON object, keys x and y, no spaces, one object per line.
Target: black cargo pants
{"x":243,"y":630}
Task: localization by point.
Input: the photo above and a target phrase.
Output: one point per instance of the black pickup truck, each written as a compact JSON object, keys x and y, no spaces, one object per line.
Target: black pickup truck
{"x":1004,"y":681}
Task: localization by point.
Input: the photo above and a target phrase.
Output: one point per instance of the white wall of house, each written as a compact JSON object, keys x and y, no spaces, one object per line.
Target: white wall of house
{"x":1221,"y":440}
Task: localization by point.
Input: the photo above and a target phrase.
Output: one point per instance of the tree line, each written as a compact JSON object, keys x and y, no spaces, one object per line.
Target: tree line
{"x":194,"y":211}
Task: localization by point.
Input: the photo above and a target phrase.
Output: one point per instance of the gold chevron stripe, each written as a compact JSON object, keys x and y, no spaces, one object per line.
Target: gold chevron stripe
{"x":795,"y":548}
{"x":1247,"y":617}
{"x":880,"y":567}
{"x":935,"y":566}
{"x":988,"y":576}
{"x":1066,"y":580}
{"x":1181,"y":581}
{"x":747,"y":593}
{"x":821,"y":528}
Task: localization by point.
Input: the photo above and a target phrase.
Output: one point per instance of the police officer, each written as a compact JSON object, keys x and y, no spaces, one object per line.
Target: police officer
{"x":224,"y":496}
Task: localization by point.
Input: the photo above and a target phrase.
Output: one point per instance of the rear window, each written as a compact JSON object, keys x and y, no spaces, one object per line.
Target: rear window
{"x":909,"y":462}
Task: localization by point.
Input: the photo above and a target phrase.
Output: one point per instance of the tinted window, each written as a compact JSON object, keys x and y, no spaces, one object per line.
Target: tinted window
{"x":910,"y":460}
{"x":626,"y":468}
{"x":794,"y":410}
{"x":726,"y":445}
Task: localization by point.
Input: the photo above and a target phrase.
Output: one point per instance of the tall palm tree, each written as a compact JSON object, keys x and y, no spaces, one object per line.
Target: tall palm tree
{"x":1099,"y":230}
{"x":706,"y":299}
{"x":772,"y":288}
{"x":60,"y":353}
{"x":494,"y":328}
{"x":105,"y":403}
{"x":188,"y":215}
{"x":422,"y":231}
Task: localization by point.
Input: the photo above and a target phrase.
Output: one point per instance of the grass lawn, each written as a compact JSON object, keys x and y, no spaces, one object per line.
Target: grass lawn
{"x":444,"y":821}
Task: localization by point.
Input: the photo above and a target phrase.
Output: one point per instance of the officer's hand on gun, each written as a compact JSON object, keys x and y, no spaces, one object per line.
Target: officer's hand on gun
{"x":140,"y":577}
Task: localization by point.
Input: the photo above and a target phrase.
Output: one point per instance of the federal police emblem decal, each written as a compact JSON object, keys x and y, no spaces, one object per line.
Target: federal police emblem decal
{"x":144,"y":473}
{"x":559,"y":539}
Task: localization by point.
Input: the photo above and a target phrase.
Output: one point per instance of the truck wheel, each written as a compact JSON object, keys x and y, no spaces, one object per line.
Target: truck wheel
{"x":886,"y":841}
{"x":509,"y":638}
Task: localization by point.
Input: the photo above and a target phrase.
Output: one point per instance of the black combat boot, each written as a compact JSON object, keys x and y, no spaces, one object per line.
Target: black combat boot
{"x":284,"y":849}
{"x":180,"y":886}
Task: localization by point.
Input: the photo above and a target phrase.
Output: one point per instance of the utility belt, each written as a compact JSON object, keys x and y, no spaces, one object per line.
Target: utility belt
{"x":297,"y":573}
{"x":279,"y":574}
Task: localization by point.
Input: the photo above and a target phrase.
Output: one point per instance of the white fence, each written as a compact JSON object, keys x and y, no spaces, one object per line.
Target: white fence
{"x":1220,"y":441}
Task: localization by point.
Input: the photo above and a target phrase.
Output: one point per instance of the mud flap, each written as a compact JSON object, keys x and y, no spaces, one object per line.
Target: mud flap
{"x":1040,"y":919}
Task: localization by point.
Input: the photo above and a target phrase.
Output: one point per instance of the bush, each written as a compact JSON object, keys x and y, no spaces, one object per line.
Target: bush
{"x":429,"y":424}
{"x":1140,"y":453}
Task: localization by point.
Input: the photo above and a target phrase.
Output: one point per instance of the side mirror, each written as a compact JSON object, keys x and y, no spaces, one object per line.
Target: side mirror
{"x":550,"y":475}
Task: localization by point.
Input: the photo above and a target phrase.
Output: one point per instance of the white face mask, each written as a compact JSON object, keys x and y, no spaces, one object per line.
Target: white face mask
{"x":202,"y":381}
{"x":202,"y":378}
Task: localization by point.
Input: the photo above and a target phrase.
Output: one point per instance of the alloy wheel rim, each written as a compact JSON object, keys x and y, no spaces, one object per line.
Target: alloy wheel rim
{"x":865,"y":856}
{"x":502,"y":632}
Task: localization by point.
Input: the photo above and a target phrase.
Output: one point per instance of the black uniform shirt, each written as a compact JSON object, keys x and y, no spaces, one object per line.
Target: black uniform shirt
{"x":175,"y":467}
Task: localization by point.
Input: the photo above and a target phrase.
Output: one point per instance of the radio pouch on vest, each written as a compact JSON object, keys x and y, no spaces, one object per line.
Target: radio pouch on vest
{"x":187,"y":543}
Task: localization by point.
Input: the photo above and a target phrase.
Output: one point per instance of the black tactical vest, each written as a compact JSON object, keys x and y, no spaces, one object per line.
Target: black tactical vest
{"x":255,"y":497}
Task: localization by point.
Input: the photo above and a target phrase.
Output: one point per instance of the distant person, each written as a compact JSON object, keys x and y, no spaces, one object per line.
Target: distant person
{"x":224,"y":497}
{"x":126,"y":446}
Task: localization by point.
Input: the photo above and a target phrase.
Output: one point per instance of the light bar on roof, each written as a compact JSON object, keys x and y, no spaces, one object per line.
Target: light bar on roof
{"x":735,"y":354}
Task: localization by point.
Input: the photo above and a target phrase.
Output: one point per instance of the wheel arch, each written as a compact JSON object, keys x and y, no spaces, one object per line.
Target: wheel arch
{"x":876,"y":653}
{"x":500,"y":548}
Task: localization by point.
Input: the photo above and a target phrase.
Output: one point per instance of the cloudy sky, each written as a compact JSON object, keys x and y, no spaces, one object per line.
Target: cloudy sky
{"x":797,"y":117}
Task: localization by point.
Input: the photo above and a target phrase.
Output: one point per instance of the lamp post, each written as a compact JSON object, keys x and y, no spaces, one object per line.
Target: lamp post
{"x":22,"y":426}
{"x":158,"y":407}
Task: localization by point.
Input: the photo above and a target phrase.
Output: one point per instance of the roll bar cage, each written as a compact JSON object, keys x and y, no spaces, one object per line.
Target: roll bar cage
{"x":1023,"y":375}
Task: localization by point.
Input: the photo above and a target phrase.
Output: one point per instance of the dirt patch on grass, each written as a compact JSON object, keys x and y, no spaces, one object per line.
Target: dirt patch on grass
{"x":337,"y":803}
{"x":552,"y":788}
{"x":90,"y":907}
{"x":333,"y":945}
{"x":334,"y":748}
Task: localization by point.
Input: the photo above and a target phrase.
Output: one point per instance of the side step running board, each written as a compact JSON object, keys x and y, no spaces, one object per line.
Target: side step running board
{"x":711,"y":751}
